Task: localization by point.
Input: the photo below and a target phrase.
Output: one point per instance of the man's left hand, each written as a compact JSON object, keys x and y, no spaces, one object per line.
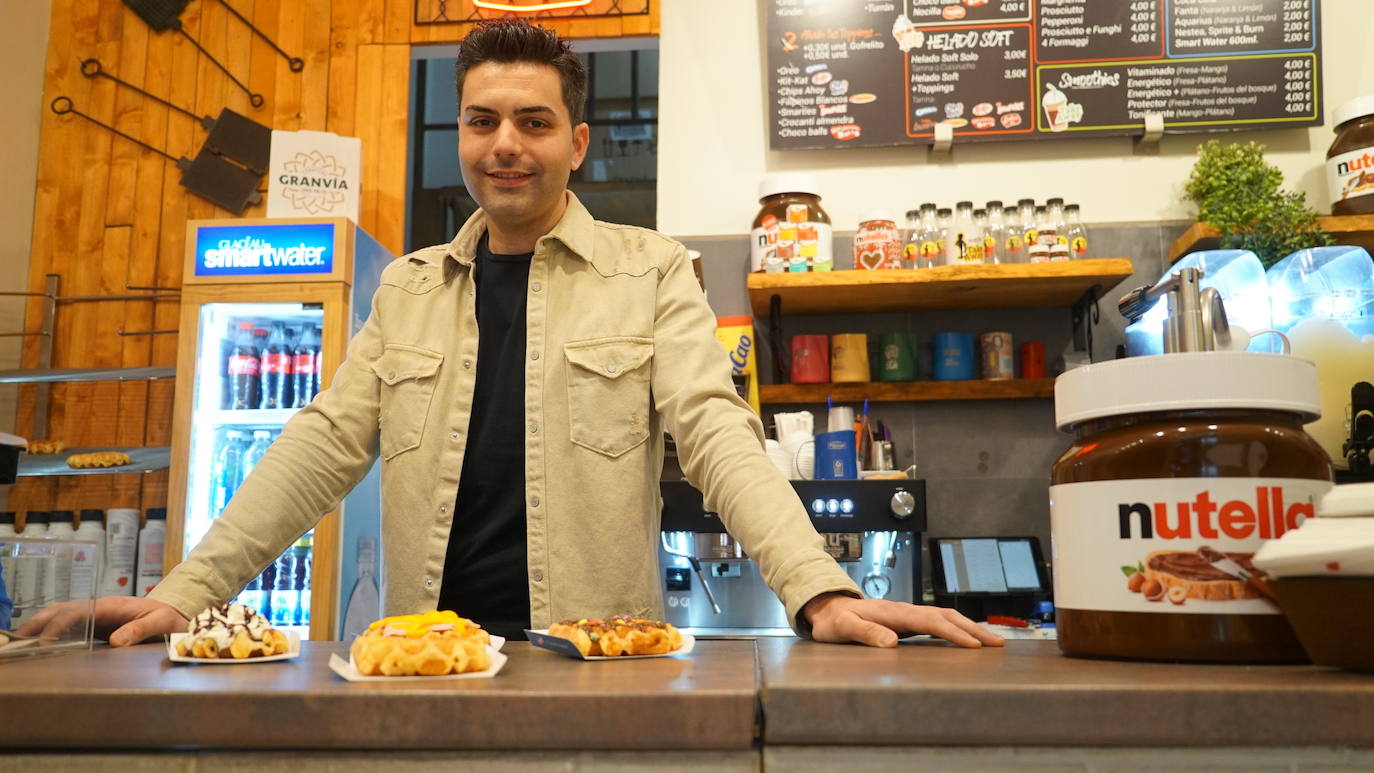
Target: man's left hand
{"x":840,"y":619}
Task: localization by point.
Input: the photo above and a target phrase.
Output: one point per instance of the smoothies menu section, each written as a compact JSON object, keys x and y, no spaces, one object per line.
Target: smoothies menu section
{"x":885,"y":72}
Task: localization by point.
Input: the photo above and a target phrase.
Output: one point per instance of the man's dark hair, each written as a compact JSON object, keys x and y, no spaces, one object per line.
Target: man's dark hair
{"x":516,"y":40}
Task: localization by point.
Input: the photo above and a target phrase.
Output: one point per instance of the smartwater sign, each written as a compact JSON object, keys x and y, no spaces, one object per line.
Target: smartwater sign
{"x":265,"y":250}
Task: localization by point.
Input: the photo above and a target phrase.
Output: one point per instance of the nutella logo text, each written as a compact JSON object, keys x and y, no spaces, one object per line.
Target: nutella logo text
{"x":1265,"y":516}
{"x":1355,"y":164}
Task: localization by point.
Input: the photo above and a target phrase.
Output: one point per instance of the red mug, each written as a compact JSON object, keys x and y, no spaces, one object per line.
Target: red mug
{"x":1033,"y":359}
{"x":810,"y":359}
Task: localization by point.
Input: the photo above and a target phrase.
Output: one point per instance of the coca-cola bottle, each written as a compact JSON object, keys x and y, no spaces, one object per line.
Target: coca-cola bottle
{"x":305,"y":366}
{"x":276,"y":369}
{"x":243,"y":370}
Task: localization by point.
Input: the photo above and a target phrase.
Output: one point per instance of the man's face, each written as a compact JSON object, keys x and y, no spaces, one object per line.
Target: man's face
{"x":516,"y":141}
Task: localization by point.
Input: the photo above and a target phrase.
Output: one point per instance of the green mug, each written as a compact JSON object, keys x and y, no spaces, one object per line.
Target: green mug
{"x":897,"y":356}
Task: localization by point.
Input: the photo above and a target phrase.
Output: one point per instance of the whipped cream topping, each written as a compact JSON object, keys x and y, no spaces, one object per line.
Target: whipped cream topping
{"x":224,"y":622}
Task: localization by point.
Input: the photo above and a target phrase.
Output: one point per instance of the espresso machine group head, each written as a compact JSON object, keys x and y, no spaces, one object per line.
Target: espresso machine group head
{"x":872,"y":528}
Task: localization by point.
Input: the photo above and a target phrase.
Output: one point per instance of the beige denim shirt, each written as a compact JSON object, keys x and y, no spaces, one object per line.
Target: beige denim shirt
{"x":621,"y":347}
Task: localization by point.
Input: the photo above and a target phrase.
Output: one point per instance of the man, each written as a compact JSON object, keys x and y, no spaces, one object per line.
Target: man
{"x":517,"y":383}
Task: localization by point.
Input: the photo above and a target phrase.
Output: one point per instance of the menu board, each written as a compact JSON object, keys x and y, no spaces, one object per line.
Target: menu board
{"x":843,"y":73}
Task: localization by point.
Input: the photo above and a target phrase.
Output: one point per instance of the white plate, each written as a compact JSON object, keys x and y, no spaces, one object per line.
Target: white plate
{"x":564,"y":646}
{"x":293,"y":649}
{"x":349,"y":671}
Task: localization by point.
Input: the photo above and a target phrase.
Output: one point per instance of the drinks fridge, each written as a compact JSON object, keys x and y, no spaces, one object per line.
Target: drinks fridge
{"x":268,"y":308}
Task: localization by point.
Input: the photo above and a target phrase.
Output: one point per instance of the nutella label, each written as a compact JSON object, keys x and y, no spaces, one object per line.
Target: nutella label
{"x":1171,"y":545}
{"x":1350,"y":175}
{"x":777,"y":246}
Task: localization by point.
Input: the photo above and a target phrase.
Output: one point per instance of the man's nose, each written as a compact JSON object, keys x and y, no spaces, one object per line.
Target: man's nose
{"x":507,"y":140}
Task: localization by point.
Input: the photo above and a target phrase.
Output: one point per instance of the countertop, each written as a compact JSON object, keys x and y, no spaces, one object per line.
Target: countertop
{"x":928,"y":693}
{"x":724,"y":697}
{"x":136,"y":698}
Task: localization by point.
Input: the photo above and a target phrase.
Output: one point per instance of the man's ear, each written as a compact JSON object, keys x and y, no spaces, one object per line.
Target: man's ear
{"x":581,"y":137}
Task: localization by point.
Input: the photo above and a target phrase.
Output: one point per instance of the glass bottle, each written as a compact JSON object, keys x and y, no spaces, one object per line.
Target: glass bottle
{"x":1054,"y":221}
{"x":1033,"y":235}
{"x":364,"y":602}
{"x":1026,"y":211}
{"x":1077,"y":234}
{"x":978,"y":247}
{"x":943,"y":217}
{"x":930,"y":237}
{"x":1013,"y":237}
{"x":965,"y":241}
{"x":911,"y":239}
{"x":993,"y":233}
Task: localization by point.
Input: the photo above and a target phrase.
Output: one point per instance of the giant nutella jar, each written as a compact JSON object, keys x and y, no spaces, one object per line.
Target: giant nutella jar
{"x":1350,"y":160}
{"x":1181,"y":467}
{"x":791,"y":233}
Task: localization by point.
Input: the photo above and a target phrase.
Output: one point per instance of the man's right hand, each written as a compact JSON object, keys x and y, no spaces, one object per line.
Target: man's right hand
{"x":124,"y":619}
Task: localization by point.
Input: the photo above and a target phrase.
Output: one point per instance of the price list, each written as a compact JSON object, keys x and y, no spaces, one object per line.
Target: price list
{"x":846,"y":73}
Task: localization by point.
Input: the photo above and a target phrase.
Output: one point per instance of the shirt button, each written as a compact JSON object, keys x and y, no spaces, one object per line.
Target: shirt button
{"x":534,"y":428}
{"x":534,"y":501}
{"x":610,"y":368}
{"x":467,"y":363}
{"x":429,"y":582}
{"x":534,"y":355}
{"x":536,"y":287}
{"x":391,"y":375}
{"x":443,"y":508}
{"x":538,"y":576}
{"x":453,"y":435}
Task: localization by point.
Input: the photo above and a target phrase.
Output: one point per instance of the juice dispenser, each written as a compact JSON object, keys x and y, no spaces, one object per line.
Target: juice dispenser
{"x":1237,"y":275}
{"x":1323,"y":300}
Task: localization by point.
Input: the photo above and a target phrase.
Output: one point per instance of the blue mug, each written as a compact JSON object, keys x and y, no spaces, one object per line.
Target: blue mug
{"x":951,"y":356}
{"x":835,"y":456}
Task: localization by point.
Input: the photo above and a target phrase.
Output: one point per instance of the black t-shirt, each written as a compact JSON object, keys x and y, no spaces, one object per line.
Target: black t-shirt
{"x":485,"y":568}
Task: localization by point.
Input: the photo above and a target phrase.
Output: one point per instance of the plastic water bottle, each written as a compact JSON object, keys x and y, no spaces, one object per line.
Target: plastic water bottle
{"x":243,"y":369}
{"x":228,"y":471}
{"x":261,"y":440}
{"x":305,"y":367}
{"x":284,"y":596}
{"x":302,"y":550}
{"x":276,"y":370}
{"x":266,"y":581}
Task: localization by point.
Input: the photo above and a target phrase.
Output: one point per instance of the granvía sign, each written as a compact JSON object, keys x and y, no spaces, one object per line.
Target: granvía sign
{"x":314,"y":174}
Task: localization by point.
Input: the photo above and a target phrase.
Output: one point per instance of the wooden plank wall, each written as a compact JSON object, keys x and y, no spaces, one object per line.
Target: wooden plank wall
{"x":109,"y":214}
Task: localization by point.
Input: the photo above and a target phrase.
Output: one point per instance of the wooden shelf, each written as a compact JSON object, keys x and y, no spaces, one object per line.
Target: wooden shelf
{"x":1012,"y":286}
{"x":1348,"y":229}
{"x":907,"y":391}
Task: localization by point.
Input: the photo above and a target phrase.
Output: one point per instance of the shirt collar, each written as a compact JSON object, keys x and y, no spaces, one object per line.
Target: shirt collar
{"x":575,"y":230}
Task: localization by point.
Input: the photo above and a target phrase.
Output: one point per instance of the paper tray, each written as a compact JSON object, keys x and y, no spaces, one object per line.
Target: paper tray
{"x":347,"y":670}
{"x":293,"y":649}
{"x":541,"y":638}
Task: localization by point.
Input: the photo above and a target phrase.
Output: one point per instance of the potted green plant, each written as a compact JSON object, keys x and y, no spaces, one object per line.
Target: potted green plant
{"x":1239,"y":194}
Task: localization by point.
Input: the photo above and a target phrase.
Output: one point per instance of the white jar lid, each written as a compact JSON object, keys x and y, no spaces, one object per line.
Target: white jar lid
{"x":877,"y":214}
{"x":786,"y":182}
{"x":1354,"y":108}
{"x":1187,"y":381}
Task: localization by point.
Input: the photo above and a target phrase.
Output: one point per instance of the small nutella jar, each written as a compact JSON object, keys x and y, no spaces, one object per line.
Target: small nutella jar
{"x":1350,"y":160}
{"x":877,"y":243}
{"x":1181,"y":467}
{"x":791,"y":233}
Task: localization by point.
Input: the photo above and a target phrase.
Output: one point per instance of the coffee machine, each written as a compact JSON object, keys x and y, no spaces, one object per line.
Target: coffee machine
{"x":872,"y":528}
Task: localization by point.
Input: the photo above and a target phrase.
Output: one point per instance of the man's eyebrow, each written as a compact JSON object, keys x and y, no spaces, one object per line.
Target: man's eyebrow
{"x":541,"y":109}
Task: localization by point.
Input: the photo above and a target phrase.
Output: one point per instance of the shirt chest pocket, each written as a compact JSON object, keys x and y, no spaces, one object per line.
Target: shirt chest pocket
{"x":409,"y":375}
{"x":608,"y":392}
